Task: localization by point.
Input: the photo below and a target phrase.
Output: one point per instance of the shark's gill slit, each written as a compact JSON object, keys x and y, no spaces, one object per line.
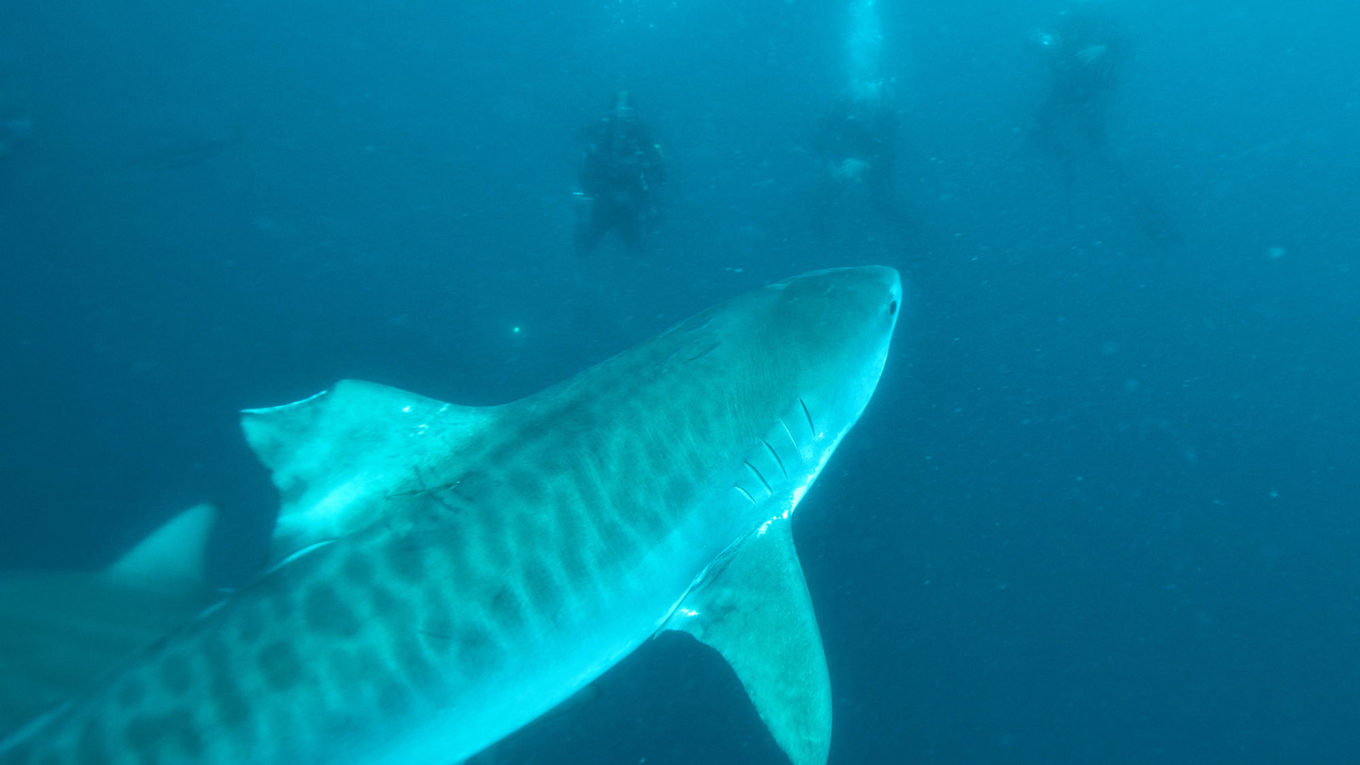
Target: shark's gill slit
{"x":775,"y":454}
{"x":789,"y":432}
{"x":808,"y":414}
{"x":763,"y":482}
{"x":711,"y":347}
{"x":746,"y":494}
{"x":707,"y":321}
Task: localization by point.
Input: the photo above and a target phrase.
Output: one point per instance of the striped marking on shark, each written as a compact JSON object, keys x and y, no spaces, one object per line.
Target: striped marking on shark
{"x":444,"y":575}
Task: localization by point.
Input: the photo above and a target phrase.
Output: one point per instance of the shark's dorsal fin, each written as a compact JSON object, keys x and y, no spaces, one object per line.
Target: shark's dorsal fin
{"x":332,"y":452}
{"x":757,"y":613}
{"x":60,"y":630}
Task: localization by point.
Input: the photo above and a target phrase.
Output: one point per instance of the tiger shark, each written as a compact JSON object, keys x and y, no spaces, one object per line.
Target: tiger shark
{"x":442,"y":575}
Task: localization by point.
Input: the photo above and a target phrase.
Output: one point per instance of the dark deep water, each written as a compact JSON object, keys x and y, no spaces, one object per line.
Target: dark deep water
{"x":1103,"y":507}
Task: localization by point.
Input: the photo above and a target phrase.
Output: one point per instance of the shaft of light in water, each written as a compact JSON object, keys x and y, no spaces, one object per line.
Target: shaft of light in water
{"x":865,"y":44}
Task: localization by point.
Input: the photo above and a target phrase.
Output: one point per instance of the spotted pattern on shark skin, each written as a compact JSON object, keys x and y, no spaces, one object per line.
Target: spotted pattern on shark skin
{"x":326,"y":612}
{"x":622,"y":519}
{"x":228,"y":699}
{"x":280,"y":665}
{"x":458,"y":568}
{"x":386,"y":604}
{"x":357,"y":570}
{"x":569,"y":540}
{"x":130,"y":692}
{"x":542,"y":588}
{"x":394,"y":698}
{"x":176,"y":673}
{"x":493,"y":543}
{"x":173,"y":731}
{"x":405,"y":560}
{"x":91,"y":745}
{"x":528,"y":484}
{"x":252,"y":623}
{"x":351,"y":671}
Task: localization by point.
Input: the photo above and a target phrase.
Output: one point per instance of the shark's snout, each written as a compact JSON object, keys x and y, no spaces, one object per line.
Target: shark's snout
{"x":890,"y":281}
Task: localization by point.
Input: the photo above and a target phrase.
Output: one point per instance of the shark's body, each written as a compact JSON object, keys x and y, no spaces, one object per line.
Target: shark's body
{"x":446,"y":574}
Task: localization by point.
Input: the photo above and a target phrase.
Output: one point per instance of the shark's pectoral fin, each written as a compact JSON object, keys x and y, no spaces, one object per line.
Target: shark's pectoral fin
{"x":757,"y":613}
{"x":331,"y":454}
{"x":61,"y":630}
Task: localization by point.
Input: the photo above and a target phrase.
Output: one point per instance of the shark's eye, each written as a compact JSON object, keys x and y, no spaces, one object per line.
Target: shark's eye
{"x":892,"y":308}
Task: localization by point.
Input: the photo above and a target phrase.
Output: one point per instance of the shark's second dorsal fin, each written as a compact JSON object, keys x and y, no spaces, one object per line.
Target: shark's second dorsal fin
{"x":331,"y":454}
{"x":60,"y":630}
{"x":757,"y":613}
{"x":171,"y":558}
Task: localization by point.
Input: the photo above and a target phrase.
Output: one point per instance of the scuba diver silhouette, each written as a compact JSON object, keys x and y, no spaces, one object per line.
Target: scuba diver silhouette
{"x":621,"y":169}
{"x":855,"y":151}
{"x":856,"y":147}
{"x":1085,"y":53}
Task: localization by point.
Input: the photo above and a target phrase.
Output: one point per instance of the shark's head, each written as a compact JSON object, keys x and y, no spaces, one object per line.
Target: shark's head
{"x":825,"y":339}
{"x":794,"y":364}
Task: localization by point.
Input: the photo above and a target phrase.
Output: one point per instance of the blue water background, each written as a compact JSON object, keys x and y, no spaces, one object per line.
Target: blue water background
{"x":1103,"y":507}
